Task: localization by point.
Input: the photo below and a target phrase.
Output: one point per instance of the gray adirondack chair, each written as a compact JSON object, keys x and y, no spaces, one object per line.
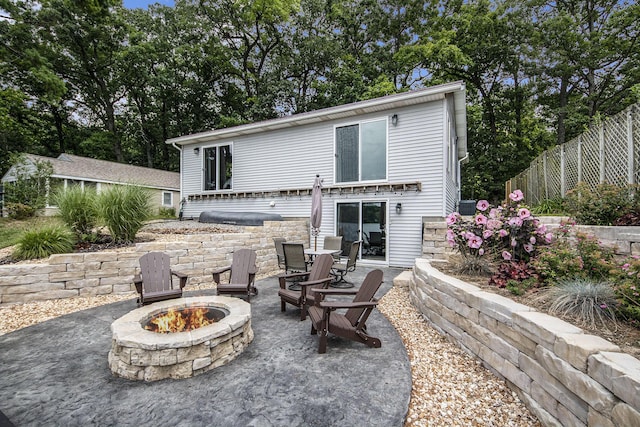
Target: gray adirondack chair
{"x":242,"y":273}
{"x":154,"y":282}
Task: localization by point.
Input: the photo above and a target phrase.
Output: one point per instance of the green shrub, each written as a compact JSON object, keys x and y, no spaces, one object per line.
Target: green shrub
{"x":627,"y":289}
{"x":591,"y":303}
{"x":41,"y":243}
{"x":77,"y":208}
{"x":167,"y":212}
{"x":28,"y":187}
{"x":124,"y":210}
{"x":553,"y":206}
{"x":600,"y":206}
{"x":598,"y":261}
{"x":572,"y":255}
{"x":20,"y":211}
{"x":521,"y":287}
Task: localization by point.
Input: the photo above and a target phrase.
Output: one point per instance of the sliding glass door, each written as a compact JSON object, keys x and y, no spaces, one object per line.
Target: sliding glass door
{"x":365,"y":221}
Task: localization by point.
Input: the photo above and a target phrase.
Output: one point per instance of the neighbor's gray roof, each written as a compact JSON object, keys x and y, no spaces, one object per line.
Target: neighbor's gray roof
{"x":83,"y":168}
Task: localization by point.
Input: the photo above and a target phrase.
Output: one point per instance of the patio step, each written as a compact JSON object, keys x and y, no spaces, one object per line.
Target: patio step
{"x":402,"y":280}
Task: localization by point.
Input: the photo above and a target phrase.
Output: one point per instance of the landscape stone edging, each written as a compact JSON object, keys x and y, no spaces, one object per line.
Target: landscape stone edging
{"x":564,"y":376}
{"x":624,"y":239}
{"x":111,"y":272}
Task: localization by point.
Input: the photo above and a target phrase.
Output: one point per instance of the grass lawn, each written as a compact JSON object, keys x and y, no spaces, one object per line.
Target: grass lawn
{"x":11,"y":230}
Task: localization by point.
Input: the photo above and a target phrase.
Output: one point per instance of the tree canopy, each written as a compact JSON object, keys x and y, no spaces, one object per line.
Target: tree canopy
{"x":93,"y":78}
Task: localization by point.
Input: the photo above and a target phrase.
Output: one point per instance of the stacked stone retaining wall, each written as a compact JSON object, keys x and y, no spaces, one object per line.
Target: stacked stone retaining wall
{"x":564,"y":376}
{"x":102,"y":273}
{"x":625,"y":240}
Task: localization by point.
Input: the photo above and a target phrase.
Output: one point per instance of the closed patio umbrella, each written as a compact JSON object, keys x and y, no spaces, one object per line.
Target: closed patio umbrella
{"x":316,"y":210}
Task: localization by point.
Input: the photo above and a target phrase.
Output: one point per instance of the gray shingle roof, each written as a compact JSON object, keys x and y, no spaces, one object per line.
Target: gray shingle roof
{"x":83,"y":168}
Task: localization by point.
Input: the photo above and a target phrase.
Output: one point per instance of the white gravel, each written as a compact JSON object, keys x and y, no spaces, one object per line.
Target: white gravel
{"x":449,"y":387}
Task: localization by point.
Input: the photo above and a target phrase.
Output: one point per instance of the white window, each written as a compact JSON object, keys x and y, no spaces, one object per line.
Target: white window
{"x":361,"y":152}
{"x":167,"y":198}
{"x":218,"y":168}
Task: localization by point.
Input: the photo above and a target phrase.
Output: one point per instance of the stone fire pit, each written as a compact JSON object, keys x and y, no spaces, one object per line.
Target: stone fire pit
{"x":138,"y":354}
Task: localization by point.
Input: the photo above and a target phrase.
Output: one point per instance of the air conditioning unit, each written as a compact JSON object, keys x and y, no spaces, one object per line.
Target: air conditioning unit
{"x":467,"y":207}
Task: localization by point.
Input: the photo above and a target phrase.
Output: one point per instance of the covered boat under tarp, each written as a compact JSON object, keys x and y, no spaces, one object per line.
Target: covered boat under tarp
{"x":238,"y":218}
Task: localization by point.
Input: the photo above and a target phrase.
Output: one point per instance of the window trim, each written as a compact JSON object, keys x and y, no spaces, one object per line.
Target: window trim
{"x":203,"y":166}
{"x":335,"y":149}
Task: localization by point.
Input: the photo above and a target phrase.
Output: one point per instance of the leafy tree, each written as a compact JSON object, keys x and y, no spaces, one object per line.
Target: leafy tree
{"x":588,"y":59}
{"x":483,"y":44}
{"x":27,"y":190}
{"x":250,"y":31}
{"x":92,"y":78}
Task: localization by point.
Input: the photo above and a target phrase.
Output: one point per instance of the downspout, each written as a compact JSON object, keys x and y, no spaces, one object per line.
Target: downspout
{"x":460,"y":162}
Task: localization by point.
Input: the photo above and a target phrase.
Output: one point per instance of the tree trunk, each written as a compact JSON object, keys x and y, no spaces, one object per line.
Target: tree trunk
{"x":563,"y":101}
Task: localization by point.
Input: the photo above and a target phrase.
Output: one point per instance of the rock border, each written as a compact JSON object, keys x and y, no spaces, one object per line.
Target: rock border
{"x":564,"y":376}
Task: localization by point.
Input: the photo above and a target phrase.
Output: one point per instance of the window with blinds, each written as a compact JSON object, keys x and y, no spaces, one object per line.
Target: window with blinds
{"x":361,"y":152}
{"x":218,"y":168}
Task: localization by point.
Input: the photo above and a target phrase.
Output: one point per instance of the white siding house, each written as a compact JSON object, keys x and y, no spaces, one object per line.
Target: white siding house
{"x":386,"y":164}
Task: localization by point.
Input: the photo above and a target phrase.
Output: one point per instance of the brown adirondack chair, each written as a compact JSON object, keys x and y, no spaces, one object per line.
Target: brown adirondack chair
{"x":154,"y":283}
{"x":242,"y":272}
{"x":352,"y":324}
{"x":319,"y":276}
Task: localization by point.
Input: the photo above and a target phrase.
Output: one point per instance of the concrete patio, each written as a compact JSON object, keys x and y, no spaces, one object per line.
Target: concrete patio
{"x":56,"y":373}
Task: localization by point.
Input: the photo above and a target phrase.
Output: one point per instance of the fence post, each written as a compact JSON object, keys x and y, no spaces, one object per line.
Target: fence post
{"x":563,"y":185}
{"x":544,"y":173}
{"x":630,"y":157}
{"x":602,"y":165}
{"x":579,"y":158}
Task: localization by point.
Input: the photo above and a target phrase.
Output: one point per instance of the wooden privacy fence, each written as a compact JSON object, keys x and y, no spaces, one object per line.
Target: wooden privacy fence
{"x":607,"y":153}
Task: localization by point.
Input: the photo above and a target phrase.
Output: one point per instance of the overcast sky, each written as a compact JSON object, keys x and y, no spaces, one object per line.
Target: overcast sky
{"x":132,"y":4}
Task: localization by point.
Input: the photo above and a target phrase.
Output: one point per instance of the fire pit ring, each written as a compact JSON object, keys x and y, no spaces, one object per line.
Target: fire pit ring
{"x":138,"y":354}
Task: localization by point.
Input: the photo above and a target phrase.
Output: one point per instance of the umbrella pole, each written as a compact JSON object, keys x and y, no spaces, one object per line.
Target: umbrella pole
{"x":315,"y":243}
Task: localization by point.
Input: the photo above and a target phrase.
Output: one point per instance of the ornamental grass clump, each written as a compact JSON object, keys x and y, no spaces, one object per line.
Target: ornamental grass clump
{"x":43,"y":242}
{"x":77,"y":208}
{"x":592,"y":303}
{"x":124,"y":210}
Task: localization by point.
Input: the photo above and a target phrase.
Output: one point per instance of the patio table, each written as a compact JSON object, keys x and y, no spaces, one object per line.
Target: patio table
{"x":312,"y":253}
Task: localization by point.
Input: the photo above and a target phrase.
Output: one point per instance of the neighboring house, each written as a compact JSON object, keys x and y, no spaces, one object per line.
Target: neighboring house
{"x":69,"y":169}
{"x":386,"y":164}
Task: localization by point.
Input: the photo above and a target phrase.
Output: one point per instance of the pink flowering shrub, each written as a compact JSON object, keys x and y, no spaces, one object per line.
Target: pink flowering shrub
{"x":528,"y":255}
{"x":508,"y":232}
